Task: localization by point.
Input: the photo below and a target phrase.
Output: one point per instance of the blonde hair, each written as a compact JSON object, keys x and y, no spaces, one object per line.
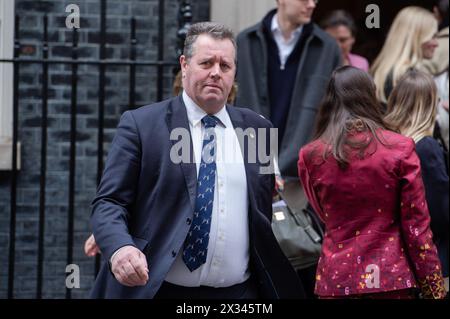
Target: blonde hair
{"x":402,"y":50}
{"x":412,"y":106}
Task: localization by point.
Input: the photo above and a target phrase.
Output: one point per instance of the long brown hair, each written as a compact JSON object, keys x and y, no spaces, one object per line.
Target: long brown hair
{"x":350,"y":105}
{"x":412,"y":105}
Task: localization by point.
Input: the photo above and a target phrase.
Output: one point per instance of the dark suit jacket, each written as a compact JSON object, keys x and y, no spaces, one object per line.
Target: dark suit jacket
{"x":435,"y":179}
{"x":145,"y":200}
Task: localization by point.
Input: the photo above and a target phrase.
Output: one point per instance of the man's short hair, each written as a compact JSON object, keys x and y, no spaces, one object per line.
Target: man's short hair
{"x":337,"y":18}
{"x":215,"y":30}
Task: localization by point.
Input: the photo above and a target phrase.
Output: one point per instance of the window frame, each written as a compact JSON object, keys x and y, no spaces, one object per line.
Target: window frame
{"x":238,"y":14}
{"x":7,"y":10}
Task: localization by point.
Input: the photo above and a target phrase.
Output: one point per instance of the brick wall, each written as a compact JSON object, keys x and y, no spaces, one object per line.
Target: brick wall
{"x":116,"y":101}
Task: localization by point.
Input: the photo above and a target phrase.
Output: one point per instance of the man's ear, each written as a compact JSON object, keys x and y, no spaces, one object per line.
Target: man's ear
{"x":183,"y":65}
{"x":183,"y":60}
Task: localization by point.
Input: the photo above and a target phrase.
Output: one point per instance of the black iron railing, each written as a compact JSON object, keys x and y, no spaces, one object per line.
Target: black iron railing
{"x":184,"y":19}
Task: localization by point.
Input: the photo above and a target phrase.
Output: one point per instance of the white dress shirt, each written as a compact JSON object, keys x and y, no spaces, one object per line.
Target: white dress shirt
{"x":285,"y":47}
{"x":228,"y":247}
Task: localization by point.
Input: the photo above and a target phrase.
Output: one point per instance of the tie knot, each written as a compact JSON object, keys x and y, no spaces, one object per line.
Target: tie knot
{"x":209,"y":121}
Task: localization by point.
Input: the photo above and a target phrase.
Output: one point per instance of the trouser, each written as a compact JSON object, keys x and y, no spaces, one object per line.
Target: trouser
{"x":245,"y":290}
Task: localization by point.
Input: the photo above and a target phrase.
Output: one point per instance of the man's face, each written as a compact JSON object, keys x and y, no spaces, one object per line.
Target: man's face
{"x":298,"y":12}
{"x":343,"y":36}
{"x":209,"y":74}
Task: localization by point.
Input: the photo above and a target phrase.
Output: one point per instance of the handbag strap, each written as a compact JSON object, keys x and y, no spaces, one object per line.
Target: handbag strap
{"x":301,"y":220}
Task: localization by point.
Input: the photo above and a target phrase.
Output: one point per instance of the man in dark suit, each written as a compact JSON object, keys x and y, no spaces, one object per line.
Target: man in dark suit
{"x":171,"y":226}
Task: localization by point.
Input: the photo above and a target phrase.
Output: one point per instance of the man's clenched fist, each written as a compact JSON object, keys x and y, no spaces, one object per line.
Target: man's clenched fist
{"x":129,"y":266}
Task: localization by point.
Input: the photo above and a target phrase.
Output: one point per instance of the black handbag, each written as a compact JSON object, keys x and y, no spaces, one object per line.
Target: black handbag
{"x":298,"y":231}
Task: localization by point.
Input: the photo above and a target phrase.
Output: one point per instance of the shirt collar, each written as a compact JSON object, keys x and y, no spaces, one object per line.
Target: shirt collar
{"x":275,"y":28}
{"x":195,"y":113}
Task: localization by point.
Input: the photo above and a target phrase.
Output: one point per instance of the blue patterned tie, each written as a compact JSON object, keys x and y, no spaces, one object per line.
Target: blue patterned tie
{"x":196,"y":244}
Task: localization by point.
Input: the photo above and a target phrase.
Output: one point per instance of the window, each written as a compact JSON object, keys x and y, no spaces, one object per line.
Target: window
{"x":238,"y":14}
{"x":6,"y":82}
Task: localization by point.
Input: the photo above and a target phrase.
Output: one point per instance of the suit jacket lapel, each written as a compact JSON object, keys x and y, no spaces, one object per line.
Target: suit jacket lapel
{"x":177,"y":118}
{"x":251,"y":169}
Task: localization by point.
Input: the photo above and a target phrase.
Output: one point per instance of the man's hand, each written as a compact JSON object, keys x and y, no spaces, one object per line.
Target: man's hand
{"x":129,"y":266}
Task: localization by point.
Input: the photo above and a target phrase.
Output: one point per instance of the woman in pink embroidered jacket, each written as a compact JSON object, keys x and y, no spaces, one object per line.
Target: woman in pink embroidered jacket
{"x":365,"y":183}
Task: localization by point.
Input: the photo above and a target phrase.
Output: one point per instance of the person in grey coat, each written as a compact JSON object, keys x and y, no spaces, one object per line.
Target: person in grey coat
{"x":284,"y":64}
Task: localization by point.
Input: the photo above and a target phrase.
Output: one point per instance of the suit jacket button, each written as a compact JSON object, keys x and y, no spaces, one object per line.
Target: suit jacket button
{"x":174,"y":253}
{"x":188,"y":221}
